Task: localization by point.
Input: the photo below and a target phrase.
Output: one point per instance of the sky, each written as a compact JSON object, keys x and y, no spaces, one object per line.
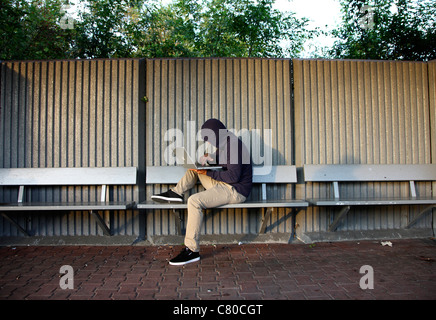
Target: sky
{"x":320,"y":13}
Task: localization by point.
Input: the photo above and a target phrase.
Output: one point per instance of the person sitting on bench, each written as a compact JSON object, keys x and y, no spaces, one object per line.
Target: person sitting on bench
{"x":232,"y":184}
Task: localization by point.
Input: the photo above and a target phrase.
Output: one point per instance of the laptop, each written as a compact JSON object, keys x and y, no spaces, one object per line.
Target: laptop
{"x":182,"y":156}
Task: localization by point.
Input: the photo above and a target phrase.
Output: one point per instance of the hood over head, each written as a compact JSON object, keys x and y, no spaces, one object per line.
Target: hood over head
{"x":211,"y":131}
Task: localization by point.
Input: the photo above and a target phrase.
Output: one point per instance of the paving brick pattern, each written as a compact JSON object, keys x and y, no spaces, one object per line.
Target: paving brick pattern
{"x":326,"y":271}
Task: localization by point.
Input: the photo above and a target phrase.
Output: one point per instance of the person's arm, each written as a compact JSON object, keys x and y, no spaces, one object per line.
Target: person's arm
{"x":231,"y":173}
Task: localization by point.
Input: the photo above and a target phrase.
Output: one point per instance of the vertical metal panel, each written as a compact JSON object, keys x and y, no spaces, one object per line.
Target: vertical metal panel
{"x":71,"y":114}
{"x":88,"y":113}
{"x":432,"y":107}
{"x":243,"y":94}
{"x":351,"y":112}
{"x":432,"y":110}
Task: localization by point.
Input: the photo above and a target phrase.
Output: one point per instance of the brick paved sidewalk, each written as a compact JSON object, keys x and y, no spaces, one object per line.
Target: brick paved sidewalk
{"x":407,"y":270}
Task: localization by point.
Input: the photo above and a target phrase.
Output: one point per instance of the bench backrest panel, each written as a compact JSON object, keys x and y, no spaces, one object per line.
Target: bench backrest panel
{"x":381,"y":172}
{"x":68,"y":176}
{"x":172,"y":174}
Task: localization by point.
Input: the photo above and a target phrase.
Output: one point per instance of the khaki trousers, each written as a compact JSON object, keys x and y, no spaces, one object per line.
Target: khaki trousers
{"x":217,"y":193}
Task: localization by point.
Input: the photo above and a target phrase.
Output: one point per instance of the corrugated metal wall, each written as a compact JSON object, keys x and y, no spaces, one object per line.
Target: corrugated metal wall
{"x":244,"y":94}
{"x":362,"y":112}
{"x":90,"y":113}
{"x":432,"y":100}
{"x":72,"y":114}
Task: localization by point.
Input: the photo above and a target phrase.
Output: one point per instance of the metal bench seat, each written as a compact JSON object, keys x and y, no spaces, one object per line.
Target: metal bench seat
{"x":168,"y":175}
{"x":248,"y":204}
{"x":372,"y":201}
{"x":104,"y":177}
{"x":371,"y":173}
{"x":66,"y":206}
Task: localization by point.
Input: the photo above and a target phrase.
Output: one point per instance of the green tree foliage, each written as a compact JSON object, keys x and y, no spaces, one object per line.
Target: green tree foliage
{"x":31,"y":30}
{"x":144,"y":28}
{"x":170,"y":31}
{"x":222,"y":28}
{"x":251,"y":29}
{"x":371,"y":29}
{"x":387,"y":29}
{"x":107,"y":28}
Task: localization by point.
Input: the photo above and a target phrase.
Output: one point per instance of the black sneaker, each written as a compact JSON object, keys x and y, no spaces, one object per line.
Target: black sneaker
{"x":185,"y":257}
{"x":169,"y":196}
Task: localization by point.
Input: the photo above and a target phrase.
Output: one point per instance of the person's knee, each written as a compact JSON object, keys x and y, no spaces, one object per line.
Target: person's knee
{"x":194,"y":201}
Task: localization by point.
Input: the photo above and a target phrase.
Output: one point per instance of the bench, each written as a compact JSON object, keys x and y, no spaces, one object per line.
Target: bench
{"x":371,"y":173}
{"x":170,"y":175}
{"x":104,"y":177}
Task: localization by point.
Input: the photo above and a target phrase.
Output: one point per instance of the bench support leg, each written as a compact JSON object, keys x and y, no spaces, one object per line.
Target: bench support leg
{"x":294,"y":223}
{"x":13,"y":222}
{"x":265,"y":219}
{"x":178,"y":220}
{"x":101,"y":223}
{"x":338,"y":219}
{"x":267,"y":214}
{"x":419,"y":215}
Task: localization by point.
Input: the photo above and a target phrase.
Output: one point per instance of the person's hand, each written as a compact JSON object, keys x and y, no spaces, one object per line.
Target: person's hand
{"x":205,"y":158}
{"x":199,"y":171}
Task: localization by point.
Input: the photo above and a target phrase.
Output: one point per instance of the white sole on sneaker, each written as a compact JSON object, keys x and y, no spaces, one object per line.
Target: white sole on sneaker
{"x":184,"y":262}
{"x":166,"y":199}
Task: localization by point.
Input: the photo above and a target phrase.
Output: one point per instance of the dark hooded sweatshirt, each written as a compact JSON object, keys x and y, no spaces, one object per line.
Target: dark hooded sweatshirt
{"x":232,"y":155}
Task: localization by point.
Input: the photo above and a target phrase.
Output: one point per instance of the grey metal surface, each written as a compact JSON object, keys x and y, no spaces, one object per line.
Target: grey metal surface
{"x":71,"y":114}
{"x":372,"y":201}
{"x":370,"y":172}
{"x":66,"y":206}
{"x":90,"y":113}
{"x":363,"y":112}
{"x":172,"y":174}
{"x":253,"y":95}
{"x":283,"y":203}
{"x":432,"y":102}
{"x":164,"y":174}
{"x":68,"y":176}
{"x":277,"y":174}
